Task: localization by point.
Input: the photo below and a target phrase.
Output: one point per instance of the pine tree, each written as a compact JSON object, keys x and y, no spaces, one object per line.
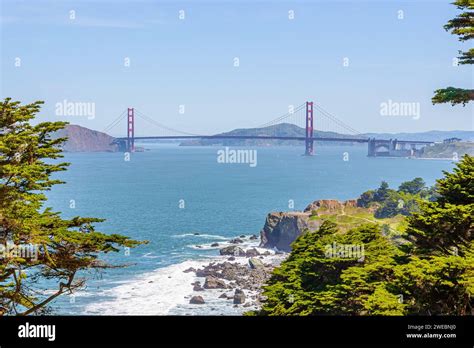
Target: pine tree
{"x":463,"y":27}
{"x":439,"y":275}
{"x":60,"y":248}
{"x":319,"y":278}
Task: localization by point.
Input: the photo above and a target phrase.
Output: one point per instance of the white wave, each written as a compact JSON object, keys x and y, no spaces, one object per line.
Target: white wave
{"x":245,"y":245}
{"x":150,"y":256}
{"x":153,"y":293}
{"x":166,"y":291}
{"x":208,"y":236}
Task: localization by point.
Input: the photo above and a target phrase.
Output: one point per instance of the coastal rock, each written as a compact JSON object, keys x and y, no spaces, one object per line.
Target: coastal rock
{"x":232,"y":250}
{"x":196,"y":300}
{"x":252,"y":252}
{"x":281,"y":229}
{"x":214,"y":283}
{"x":213,"y":245}
{"x":239,"y":296}
{"x":236,"y":241}
{"x":190,"y":269}
{"x":253,"y":237}
{"x":198,"y":287}
{"x":224,"y":295}
{"x":255,"y":263}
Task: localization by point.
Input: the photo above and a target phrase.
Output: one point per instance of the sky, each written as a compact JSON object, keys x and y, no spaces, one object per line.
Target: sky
{"x":350,"y":57}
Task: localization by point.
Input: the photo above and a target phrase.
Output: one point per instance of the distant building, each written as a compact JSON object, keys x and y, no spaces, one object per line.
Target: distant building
{"x":451,"y":140}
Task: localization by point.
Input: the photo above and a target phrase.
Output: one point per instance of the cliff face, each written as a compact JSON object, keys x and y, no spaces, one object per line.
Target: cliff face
{"x":282,"y":228}
{"x":81,"y":139}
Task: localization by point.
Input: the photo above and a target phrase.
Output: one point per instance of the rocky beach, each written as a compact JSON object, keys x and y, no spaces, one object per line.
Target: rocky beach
{"x":229,"y":282}
{"x":237,"y":277}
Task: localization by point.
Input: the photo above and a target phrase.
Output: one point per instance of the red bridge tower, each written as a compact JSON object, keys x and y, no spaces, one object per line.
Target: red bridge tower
{"x":131,"y":130}
{"x":309,"y":129}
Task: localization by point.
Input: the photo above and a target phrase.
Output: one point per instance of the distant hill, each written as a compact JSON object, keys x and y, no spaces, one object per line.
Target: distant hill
{"x":448,"y":150}
{"x":281,"y":130}
{"x":425,"y":136}
{"x":81,"y":139}
{"x":286,"y":129}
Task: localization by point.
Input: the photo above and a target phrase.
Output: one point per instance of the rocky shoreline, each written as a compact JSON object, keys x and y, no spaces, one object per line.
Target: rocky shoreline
{"x":247,"y":262}
{"x":238,"y":278}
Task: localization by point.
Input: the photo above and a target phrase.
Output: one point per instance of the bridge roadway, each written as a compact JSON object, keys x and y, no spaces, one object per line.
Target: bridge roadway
{"x":269,"y":137}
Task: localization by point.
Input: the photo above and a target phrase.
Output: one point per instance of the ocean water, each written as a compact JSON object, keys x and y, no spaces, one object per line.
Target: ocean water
{"x":168,"y":194}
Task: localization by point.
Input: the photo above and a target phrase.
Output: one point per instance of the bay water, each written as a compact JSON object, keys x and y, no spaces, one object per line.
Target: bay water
{"x":182,"y":199}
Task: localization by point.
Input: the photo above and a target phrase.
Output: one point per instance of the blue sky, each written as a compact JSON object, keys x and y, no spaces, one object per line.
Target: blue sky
{"x":191,"y":62}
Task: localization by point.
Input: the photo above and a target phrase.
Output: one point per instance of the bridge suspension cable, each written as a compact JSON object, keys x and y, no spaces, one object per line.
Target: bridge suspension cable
{"x":281,"y":118}
{"x":115,"y":122}
{"x":296,"y":116}
{"x":336,"y":120}
{"x":159,"y":125}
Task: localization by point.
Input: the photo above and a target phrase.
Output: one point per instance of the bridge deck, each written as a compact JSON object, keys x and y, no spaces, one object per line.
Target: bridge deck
{"x":269,"y":137}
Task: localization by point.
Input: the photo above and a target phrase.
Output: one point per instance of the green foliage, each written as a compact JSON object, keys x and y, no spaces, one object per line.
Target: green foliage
{"x":413,"y":187}
{"x":315,"y":280}
{"x":453,"y":95}
{"x":436,"y":285}
{"x":397,"y":203}
{"x":463,"y":27}
{"x":382,"y":192}
{"x":366,"y":199}
{"x":458,"y":187}
{"x":389,"y":203}
{"x":431,"y":273}
{"x":463,"y":24}
{"x":63,"y":248}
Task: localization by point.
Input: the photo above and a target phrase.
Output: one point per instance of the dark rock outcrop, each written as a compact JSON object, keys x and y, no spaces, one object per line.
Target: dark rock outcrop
{"x":197,"y":287}
{"x":236,"y":241}
{"x":214,"y":283}
{"x":232,"y":250}
{"x":281,"y":229}
{"x":196,"y":300}
{"x":239,"y":296}
{"x":252,"y":252}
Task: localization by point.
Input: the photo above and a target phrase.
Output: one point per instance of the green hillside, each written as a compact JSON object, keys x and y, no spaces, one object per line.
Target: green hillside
{"x":448,"y":150}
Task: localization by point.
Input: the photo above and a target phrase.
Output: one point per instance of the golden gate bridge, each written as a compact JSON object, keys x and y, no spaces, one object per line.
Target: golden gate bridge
{"x":328,"y":128}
